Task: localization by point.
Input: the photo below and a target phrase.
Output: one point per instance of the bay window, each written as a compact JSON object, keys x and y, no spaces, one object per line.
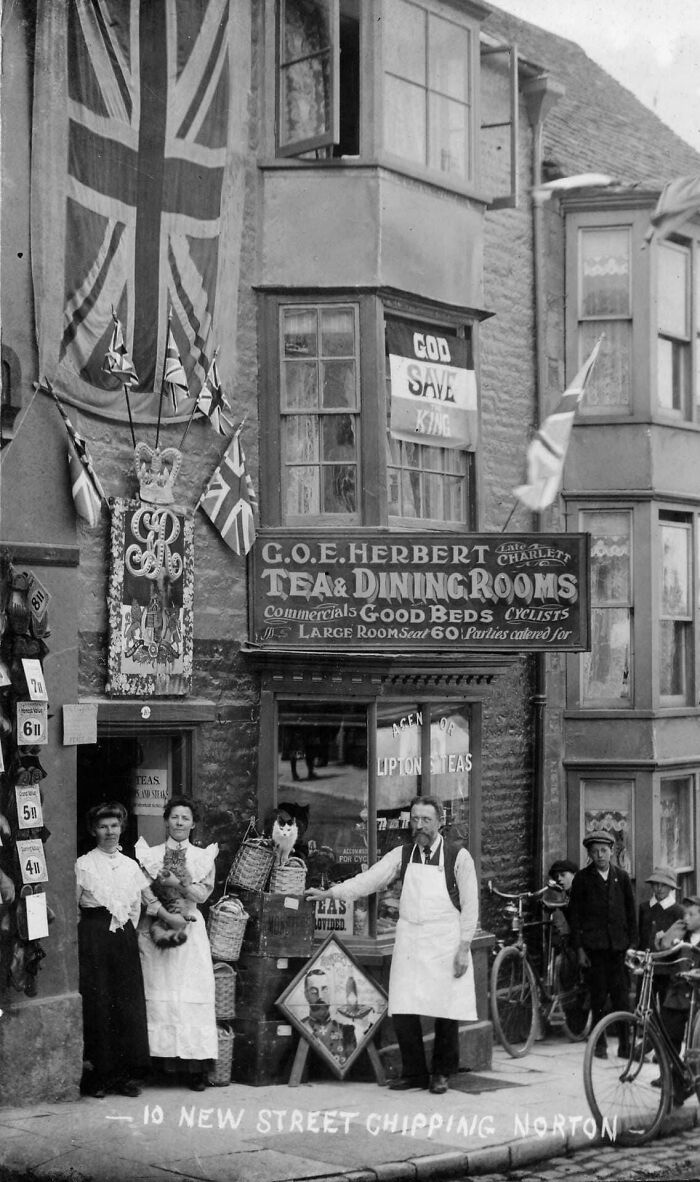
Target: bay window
{"x":676,"y":824}
{"x":605,"y":306}
{"x":673,"y":346}
{"x":343,"y":448}
{"x":375,"y":79}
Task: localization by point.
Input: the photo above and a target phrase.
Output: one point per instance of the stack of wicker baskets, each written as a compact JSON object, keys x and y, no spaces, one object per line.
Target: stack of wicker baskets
{"x":225,"y":927}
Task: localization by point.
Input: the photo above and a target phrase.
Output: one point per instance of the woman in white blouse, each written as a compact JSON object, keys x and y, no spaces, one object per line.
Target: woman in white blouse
{"x":108,"y":892}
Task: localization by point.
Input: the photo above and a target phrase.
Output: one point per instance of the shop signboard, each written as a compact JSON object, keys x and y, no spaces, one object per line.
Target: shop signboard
{"x":421,"y":592}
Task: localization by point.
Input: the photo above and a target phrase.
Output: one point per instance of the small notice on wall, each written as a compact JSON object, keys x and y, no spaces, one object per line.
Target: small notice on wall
{"x":79,"y":724}
{"x":37,"y":917}
{"x":151,"y":791}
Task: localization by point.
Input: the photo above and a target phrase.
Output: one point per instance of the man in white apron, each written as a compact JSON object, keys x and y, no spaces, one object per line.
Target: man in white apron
{"x":431,"y":969}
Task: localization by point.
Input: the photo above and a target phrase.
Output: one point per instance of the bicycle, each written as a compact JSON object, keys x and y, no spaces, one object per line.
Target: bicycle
{"x":630,"y":1096}
{"x":520,"y":995}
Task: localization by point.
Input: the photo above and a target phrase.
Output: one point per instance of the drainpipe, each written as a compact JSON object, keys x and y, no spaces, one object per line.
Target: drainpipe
{"x":540,"y":95}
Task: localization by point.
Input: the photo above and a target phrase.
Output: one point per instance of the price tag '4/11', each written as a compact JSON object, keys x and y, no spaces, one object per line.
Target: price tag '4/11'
{"x":32,"y":861}
{"x":29,"y":811}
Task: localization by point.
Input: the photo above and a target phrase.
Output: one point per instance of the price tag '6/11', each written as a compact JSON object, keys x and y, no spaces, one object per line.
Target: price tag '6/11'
{"x":32,"y":861}
{"x":32,"y":724}
{"x":29,"y":811}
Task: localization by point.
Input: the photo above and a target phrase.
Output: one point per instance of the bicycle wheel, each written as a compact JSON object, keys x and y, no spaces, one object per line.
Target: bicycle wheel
{"x":574,"y":999}
{"x":514,"y":1001}
{"x":692,"y":1054}
{"x":620,"y":1091}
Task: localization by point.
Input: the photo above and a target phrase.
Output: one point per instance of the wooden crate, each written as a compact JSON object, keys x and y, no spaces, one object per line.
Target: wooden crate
{"x":263,"y":1052}
{"x":259,"y":982}
{"x":279,"y":925}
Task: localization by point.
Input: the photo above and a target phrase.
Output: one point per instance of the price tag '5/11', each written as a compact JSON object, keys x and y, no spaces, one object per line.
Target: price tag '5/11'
{"x":29,"y":811}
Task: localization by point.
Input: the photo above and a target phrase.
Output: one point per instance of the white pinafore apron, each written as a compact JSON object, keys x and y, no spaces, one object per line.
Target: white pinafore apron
{"x":422,"y":979}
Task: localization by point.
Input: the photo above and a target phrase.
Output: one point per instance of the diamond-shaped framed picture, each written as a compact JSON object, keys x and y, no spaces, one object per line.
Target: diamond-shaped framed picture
{"x":335,"y":1005}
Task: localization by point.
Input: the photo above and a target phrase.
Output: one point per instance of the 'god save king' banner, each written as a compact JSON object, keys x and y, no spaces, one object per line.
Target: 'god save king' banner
{"x":433,"y":392}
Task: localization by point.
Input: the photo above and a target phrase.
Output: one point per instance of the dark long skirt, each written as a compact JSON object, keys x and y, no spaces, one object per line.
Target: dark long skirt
{"x":115,"y":1034}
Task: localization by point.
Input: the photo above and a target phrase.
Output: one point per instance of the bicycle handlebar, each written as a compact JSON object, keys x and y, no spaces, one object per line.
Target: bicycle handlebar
{"x":640,"y":956}
{"x":519,"y":895}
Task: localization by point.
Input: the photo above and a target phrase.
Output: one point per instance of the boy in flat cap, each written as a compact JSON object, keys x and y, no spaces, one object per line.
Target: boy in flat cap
{"x":674,"y":1011}
{"x":603,"y":922}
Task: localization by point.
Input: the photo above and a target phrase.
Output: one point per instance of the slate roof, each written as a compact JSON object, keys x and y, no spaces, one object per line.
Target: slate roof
{"x":599,"y":125}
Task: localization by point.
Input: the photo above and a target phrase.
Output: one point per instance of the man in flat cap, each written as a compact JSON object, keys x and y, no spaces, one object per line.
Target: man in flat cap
{"x":603,"y":922}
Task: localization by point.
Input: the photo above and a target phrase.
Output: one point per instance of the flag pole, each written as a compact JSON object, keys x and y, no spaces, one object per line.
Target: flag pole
{"x":125,"y":387}
{"x":162,"y":380}
{"x":192,"y":412}
{"x":507,"y":522}
{"x":45,"y":384}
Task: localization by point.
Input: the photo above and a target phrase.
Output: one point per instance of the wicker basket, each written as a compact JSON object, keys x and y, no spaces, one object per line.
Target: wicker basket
{"x":220,"y":1073}
{"x":289,"y":879}
{"x":225,"y":928}
{"x":224,"y":991}
{"x":252,"y":864}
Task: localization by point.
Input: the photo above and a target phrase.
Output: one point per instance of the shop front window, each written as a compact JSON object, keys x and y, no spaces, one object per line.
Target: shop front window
{"x":608,"y":805}
{"x":359,"y":811}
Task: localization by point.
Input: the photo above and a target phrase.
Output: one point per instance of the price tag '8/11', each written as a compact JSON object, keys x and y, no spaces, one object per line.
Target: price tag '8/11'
{"x":29,"y":811}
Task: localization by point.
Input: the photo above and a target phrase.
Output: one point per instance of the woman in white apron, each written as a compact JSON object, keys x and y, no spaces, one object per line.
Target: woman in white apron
{"x":431,"y":969}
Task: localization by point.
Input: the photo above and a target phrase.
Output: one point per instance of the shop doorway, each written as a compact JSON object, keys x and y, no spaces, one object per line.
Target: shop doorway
{"x":139,"y":770}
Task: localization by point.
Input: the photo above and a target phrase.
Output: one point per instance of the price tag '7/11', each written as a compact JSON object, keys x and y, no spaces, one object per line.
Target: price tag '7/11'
{"x":29,"y":811}
{"x":32,"y":861}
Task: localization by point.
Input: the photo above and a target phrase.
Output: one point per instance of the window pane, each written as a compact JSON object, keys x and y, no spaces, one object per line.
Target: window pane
{"x":404,"y":120}
{"x":448,"y":139}
{"x":675,"y":590}
{"x":605,"y":272}
{"x":302,"y":492}
{"x":299,"y":332}
{"x":403,"y":43}
{"x":339,"y":488}
{"x":338,"y":437}
{"x":606,"y":668}
{"x":339,"y":387}
{"x":337,"y":332}
{"x":673,"y":373}
{"x":609,"y":386}
{"x":448,"y":56}
{"x":610,"y":556}
{"x":322,"y":763}
{"x":305,"y":90}
{"x":450,"y":765}
{"x":673,"y":290}
{"x":301,"y":439}
{"x":676,"y":823}
{"x":300,"y":385}
{"x":672,"y":658}
{"x":607,"y":804}
{"x":399,"y":776}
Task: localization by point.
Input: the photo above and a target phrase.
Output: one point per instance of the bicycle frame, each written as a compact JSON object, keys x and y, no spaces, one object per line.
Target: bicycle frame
{"x":647,"y":1015}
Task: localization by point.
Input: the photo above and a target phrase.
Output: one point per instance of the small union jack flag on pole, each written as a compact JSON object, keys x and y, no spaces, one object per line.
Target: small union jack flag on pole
{"x":212,"y":402}
{"x":229,"y":499}
{"x":117,"y":361}
{"x":174,"y":377}
{"x":86,"y":490}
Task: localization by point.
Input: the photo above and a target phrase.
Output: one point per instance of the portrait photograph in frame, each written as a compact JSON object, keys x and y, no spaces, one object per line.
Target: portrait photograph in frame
{"x":335,"y":1005}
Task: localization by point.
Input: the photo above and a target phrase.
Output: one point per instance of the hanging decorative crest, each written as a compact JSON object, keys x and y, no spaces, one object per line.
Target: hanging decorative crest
{"x":157,"y":471}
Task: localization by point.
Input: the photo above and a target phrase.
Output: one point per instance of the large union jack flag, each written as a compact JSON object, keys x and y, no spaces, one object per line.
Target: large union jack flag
{"x":146,"y":142}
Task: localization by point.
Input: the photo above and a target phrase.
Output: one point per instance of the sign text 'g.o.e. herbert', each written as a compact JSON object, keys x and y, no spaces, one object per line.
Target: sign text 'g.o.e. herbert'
{"x":429,"y":591}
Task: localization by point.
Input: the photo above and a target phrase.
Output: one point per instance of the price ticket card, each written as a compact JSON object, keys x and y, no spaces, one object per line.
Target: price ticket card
{"x":34,"y":674}
{"x":38,"y":597}
{"x":32,"y":862}
{"x":32,"y":724}
{"x":37,"y":917}
{"x":29,"y":811}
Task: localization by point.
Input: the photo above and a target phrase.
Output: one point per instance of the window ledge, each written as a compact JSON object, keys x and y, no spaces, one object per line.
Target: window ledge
{"x":380,"y":163}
